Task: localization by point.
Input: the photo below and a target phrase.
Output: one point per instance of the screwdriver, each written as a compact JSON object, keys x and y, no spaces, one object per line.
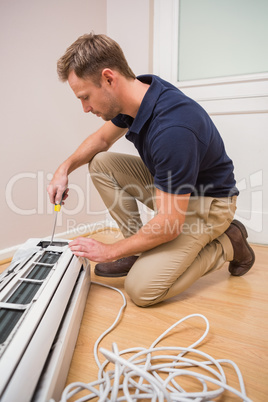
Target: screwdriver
{"x":57,"y":208}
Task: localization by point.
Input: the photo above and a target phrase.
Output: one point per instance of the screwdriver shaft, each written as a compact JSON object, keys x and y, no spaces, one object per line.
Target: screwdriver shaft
{"x":55,"y":222}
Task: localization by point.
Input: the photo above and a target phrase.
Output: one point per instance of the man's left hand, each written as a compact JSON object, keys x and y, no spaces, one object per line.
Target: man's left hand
{"x":91,"y":249}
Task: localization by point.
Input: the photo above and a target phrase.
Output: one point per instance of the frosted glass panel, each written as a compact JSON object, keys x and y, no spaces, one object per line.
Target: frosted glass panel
{"x":219,"y":38}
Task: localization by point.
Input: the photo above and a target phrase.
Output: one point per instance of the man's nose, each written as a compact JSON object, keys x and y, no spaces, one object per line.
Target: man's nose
{"x":86,"y":107}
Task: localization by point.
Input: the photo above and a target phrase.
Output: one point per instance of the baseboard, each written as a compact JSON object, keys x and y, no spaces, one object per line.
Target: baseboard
{"x":7,"y":253}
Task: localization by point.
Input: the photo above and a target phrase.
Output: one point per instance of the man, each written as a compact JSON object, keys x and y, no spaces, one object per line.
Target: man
{"x":183,"y":174}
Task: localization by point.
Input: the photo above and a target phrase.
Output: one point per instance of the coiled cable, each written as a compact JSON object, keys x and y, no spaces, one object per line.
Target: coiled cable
{"x":154,"y":373}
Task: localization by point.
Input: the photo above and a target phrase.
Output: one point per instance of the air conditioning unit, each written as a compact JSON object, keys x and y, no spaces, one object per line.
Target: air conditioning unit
{"x":42,"y":298}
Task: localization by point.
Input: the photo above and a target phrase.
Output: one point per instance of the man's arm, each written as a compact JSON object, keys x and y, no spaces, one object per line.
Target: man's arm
{"x":99,"y":141}
{"x":164,"y":227}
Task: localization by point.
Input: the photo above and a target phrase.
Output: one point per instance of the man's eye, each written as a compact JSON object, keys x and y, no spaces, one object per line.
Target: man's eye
{"x":86,"y":98}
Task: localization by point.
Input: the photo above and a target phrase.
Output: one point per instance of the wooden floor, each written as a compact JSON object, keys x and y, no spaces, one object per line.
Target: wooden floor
{"x":237,"y":310}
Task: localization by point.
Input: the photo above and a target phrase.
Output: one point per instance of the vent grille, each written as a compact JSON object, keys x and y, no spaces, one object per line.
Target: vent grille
{"x":8,"y":320}
{"x":12,"y":308}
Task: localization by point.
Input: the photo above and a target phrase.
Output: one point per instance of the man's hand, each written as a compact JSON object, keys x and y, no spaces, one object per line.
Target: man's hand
{"x":58,"y":188}
{"x":91,"y":249}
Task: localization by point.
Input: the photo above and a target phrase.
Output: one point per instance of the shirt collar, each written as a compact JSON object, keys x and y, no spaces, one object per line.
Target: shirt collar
{"x":148,"y":103}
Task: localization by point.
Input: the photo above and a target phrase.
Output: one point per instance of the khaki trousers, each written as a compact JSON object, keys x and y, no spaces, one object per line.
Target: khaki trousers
{"x":168,"y":269}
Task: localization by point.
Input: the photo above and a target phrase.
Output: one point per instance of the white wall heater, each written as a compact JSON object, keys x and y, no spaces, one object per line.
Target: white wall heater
{"x":42,"y":299}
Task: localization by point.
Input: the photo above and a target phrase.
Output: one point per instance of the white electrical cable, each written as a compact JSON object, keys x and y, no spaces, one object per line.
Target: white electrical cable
{"x":155,"y":373}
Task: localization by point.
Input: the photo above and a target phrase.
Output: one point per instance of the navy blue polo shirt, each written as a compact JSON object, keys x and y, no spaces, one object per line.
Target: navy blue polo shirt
{"x":179,"y":143}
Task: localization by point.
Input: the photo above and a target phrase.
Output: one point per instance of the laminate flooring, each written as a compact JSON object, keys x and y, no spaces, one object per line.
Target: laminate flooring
{"x":236,"y":307}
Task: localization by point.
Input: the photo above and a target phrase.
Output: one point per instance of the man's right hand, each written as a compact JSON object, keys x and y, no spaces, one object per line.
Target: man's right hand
{"x":58,"y":188}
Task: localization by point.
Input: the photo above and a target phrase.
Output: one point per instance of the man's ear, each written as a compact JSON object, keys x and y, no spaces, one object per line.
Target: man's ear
{"x":108,"y":76}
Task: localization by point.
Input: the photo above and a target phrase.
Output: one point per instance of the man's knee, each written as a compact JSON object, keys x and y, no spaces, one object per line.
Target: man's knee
{"x":97,"y":162}
{"x":139,"y":293}
{"x":135,"y":294}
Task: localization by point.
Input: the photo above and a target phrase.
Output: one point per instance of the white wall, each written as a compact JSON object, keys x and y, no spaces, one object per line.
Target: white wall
{"x":41,"y":120}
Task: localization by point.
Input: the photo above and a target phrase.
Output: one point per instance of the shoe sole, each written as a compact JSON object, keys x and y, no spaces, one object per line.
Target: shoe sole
{"x":244,"y":233}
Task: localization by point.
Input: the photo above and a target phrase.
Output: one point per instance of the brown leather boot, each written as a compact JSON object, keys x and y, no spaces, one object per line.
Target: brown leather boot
{"x":244,"y":256}
{"x":115,"y":268}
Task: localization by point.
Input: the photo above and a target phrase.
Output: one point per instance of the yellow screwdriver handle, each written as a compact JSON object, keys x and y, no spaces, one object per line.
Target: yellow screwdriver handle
{"x":57,"y":207}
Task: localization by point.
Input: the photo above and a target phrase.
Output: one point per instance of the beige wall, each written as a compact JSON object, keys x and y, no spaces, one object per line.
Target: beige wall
{"x":41,"y":120}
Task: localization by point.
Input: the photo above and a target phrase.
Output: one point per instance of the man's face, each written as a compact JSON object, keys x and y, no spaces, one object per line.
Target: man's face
{"x":99,"y":100}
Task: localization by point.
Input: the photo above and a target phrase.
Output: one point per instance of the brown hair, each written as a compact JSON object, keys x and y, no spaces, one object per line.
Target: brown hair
{"x":89,"y":55}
